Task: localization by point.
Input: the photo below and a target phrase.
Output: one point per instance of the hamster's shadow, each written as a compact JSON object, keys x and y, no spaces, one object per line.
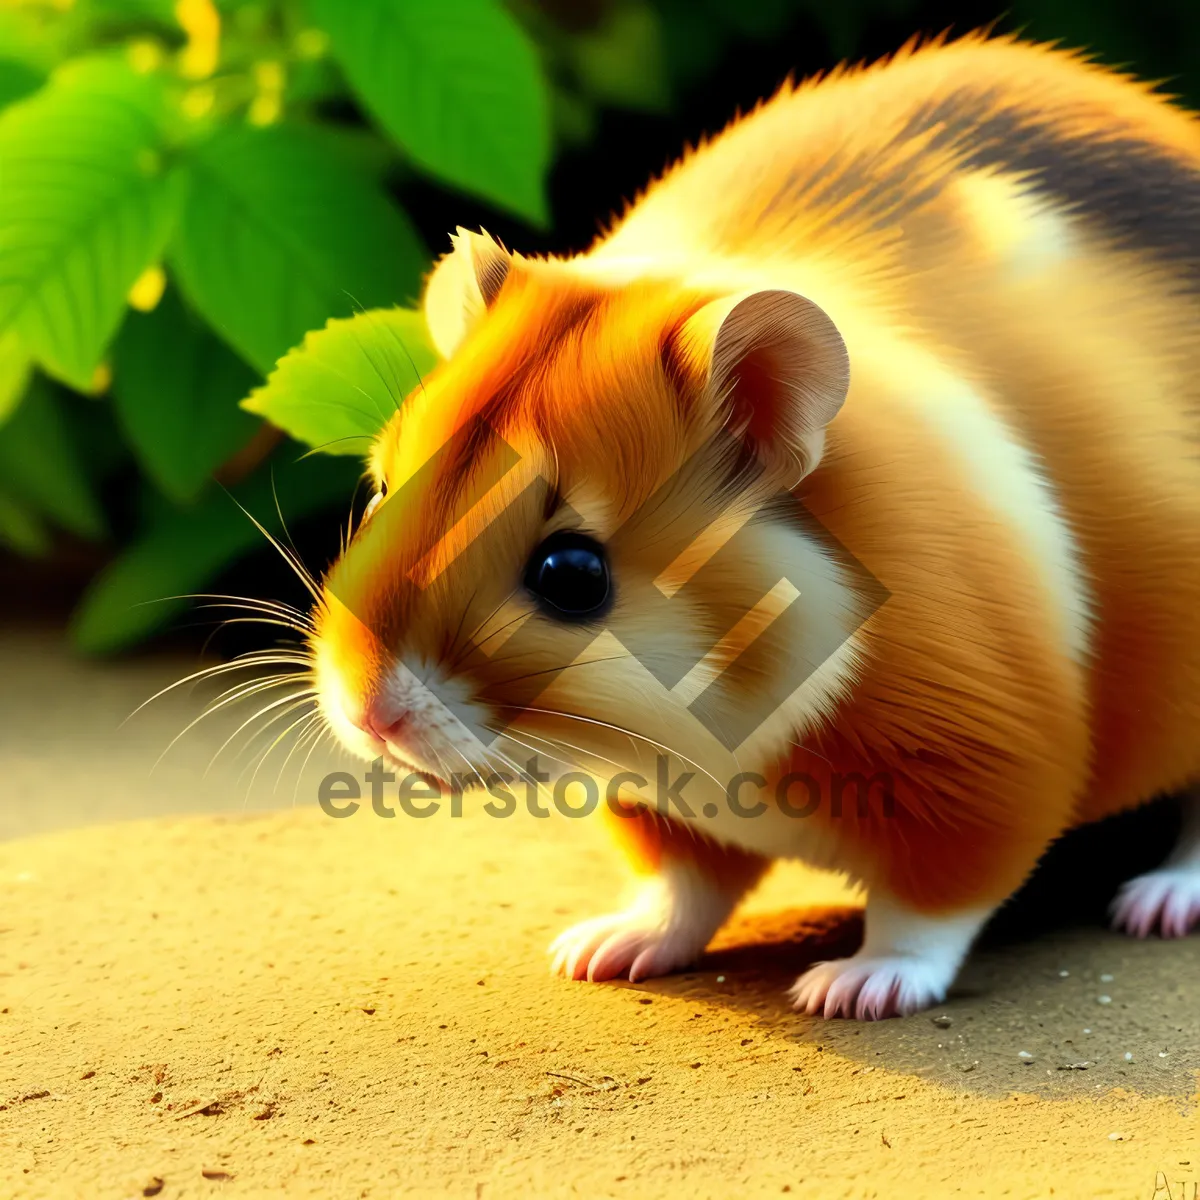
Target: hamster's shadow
{"x":1007,"y":988}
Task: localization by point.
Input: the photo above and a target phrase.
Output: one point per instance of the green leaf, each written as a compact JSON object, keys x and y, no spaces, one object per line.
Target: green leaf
{"x":15,"y":369}
{"x":457,"y":84}
{"x":86,"y":206}
{"x":176,"y":389}
{"x":31,"y":36}
{"x":20,"y":530}
{"x":118,"y":11}
{"x":41,"y":466}
{"x":360,"y":150}
{"x":183,"y":550}
{"x":17,"y":80}
{"x":338,"y":389}
{"x":279,"y":234}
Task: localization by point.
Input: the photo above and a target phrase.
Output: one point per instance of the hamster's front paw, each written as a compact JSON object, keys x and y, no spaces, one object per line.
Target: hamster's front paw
{"x":1167,"y":900}
{"x":871,"y":988}
{"x":635,"y":943}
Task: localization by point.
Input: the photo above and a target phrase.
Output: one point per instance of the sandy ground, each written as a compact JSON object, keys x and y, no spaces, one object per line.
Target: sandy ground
{"x":258,"y":1003}
{"x":73,"y":751}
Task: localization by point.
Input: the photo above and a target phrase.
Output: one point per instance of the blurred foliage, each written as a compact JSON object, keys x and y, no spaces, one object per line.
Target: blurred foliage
{"x":188,"y":188}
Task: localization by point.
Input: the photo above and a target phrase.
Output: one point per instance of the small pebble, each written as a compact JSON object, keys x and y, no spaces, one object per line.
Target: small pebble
{"x":1162,"y":1054}
{"x":1087,"y":1031}
{"x":720,"y":978}
{"x":1106,"y":979}
{"x":1128,"y":1057}
{"x":1025,"y":1054}
{"x":1103,"y":999}
{"x":942,"y":1021}
{"x":1119,"y":1137}
{"x":1063,"y":974}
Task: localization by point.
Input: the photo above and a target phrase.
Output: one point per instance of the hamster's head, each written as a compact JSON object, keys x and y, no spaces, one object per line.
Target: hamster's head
{"x":579,"y":533}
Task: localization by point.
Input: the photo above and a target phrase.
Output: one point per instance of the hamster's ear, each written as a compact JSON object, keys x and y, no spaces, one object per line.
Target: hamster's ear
{"x":462,"y":287}
{"x":773,"y":365}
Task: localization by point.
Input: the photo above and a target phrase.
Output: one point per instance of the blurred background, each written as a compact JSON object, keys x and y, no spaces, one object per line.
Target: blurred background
{"x":188,"y":186}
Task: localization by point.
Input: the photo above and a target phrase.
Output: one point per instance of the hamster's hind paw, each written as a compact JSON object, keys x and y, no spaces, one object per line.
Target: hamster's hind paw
{"x":1166,"y":900}
{"x":871,"y":988}
{"x":628,"y":943}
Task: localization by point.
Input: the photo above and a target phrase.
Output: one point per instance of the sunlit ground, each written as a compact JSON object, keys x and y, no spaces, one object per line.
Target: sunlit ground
{"x":253,"y":1001}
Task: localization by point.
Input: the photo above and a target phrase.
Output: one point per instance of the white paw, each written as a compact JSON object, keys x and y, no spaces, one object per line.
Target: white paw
{"x":632,"y":943}
{"x":871,"y":988}
{"x":1167,"y":900}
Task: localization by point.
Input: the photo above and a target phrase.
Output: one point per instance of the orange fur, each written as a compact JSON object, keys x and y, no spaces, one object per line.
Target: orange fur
{"x":650,"y":841}
{"x":902,"y":200}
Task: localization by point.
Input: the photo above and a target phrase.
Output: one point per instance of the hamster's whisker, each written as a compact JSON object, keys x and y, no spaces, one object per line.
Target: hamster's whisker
{"x":209,"y":709}
{"x":261,"y":621}
{"x":258,"y":762}
{"x":310,"y":721}
{"x":550,"y":712}
{"x":350,"y":437}
{"x":459,"y":628}
{"x":471,"y":644}
{"x":810,"y":750}
{"x":243,"y":662}
{"x":587,"y":662}
{"x":441,"y":762}
{"x":245,"y":692}
{"x":346,"y":533}
{"x":555,"y":742}
{"x":389,"y":388}
{"x":392,"y":388}
{"x":491,"y":751}
{"x":320,"y":731}
{"x":254,"y":604}
{"x":612,"y":762}
{"x":283,"y":617}
{"x":420,"y":380}
{"x":293,"y":560}
{"x":470,"y":766}
{"x":305,"y":695}
{"x":250,"y":687}
{"x":287,"y":533}
{"x":297,"y":621}
{"x":281,"y":709}
{"x":299,"y":722}
{"x":504,"y":761}
{"x":512,"y":737}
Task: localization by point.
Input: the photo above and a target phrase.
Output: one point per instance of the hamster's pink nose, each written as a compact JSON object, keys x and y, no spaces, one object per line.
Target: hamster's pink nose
{"x":383,"y":721}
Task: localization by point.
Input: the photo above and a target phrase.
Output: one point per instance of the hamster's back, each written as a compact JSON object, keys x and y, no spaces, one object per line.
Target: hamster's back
{"x":855,"y":164}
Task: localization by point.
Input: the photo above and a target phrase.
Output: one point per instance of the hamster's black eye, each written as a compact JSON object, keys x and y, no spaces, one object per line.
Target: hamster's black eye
{"x":569,"y":574}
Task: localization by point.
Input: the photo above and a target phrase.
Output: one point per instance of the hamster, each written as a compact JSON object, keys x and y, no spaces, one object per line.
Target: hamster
{"x":864,"y":447}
